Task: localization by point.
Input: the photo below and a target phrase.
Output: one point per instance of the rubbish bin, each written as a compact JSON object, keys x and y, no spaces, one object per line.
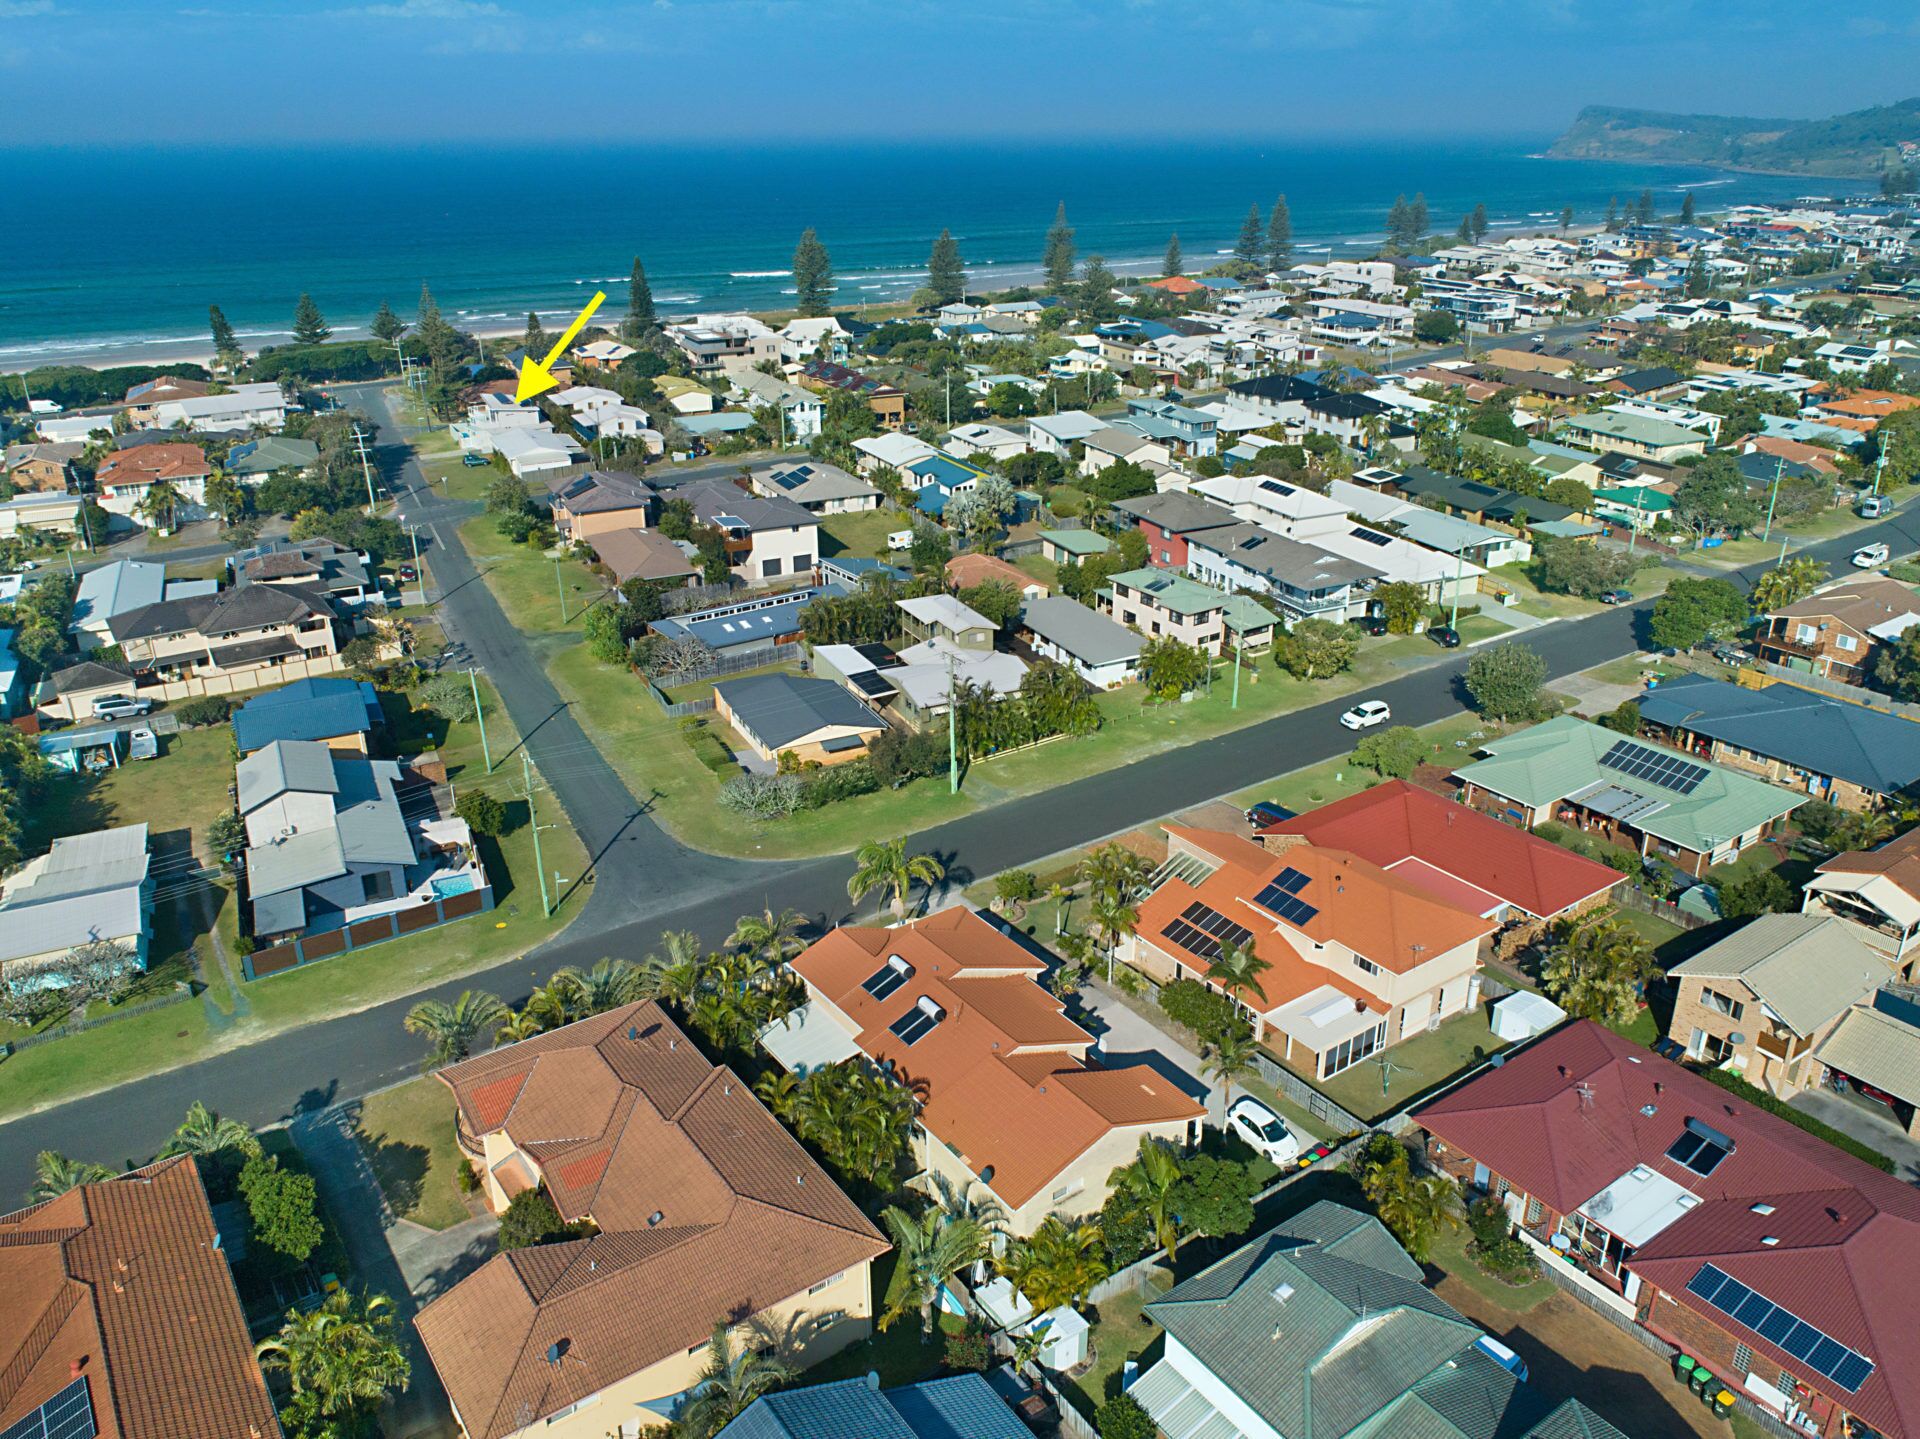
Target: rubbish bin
{"x":1683,"y":1367}
{"x":1723,"y":1404}
{"x":1699,"y":1380}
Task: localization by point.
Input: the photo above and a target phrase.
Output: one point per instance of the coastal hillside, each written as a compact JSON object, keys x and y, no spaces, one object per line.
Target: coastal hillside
{"x":1860,"y":143}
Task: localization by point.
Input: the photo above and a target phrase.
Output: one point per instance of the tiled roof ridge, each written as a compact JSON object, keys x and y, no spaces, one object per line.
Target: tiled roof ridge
{"x":756,"y":1202}
{"x":33,"y":1344}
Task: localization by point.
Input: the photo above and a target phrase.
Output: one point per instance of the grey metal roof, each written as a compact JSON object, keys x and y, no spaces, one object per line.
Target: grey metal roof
{"x":1806,"y":968}
{"x":1087,"y":635}
{"x":1288,"y":562}
{"x":305,"y":765}
{"x":234,"y":611}
{"x":117,"y":589}
{"x":278,"y":913}
{"x":961,"y":1407}
{"x":86,"y":887}
{"x":712,"y":499}
{"x":367,"y":814}
{"x":1317,"y":1325}
{"x":812,"y":481}
{"x":1875,"y":750}
{"x":780,"y":709}
{"x":83,"y":864}
{"x":292,"y":863}
{"x":1177,"y":511}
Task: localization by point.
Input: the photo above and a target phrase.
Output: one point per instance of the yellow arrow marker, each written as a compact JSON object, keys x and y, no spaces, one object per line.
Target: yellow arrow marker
{"x":536,"y":376}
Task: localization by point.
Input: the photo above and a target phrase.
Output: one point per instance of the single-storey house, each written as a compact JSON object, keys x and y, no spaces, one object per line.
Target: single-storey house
{"x":1102,"y":652}
{"x":814,"y":719}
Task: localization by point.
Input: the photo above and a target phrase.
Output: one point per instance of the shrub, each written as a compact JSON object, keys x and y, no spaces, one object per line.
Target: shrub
{"x":1395,"y":752}
{"x":450,"y":696}
{"x":1016,"y":886}
{"x":1125,"y":1230}
{"x":970,"y":1349}
{"x":1124,"y":1417}
{"x":827,"y":786}
{"x":531,"y":1219}
{"x":1206,"y":1012}
{"x":762,"y":796}
{"x":484,"y":814}
{"x":466,"y":1178}
{"x":205,"y":710}
{"x":281,"y":1205}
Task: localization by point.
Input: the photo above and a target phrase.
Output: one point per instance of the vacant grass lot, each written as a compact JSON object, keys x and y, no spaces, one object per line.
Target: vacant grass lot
{"x":132,"y":1048}
{"x":528,"y":584}
{"x":407,"y":1133}
{"x":861,"y":535}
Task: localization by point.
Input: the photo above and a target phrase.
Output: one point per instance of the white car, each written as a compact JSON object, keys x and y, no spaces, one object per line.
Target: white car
{"x":1868,"y":556}
{"x":1367,"y":714}
{"x":1264,"y":1130}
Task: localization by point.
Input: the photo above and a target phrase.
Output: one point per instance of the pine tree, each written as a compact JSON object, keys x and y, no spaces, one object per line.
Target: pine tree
{"x":310,"y":327}
{"x":1686,"y":209}
{"x":1279,"y":235}
{"x":534,"y":342}
{"x":1566,"y":218}
{"x":1397,"y":221}
{"x":225,"y":342}
{"x":1171,"y":266}
{"x":640,"y":315}
{"x":1465,"y":233}
{"x":1417,"y":219}
{"x":1247,"y":247}
{"x":387,"y":326}
{"x":1613,"y":214}
{"x":1644,"y":207}
{"x":1479,"y":223}
{"x":1058,"y":258}
{"x":946,"y":271}
{"x":812,"y":274}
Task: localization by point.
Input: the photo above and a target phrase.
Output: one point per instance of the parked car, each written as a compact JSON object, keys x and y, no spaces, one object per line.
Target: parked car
{"x":1874,"y":506}
{"x":1446,"y":636}
{"x":1371,"y":624}
{"x":120,"y":707}
{"x":1367,"y":714}
{"x":1616,"y":597}
{"x":1267,"y":812}
{"x":409,"y":574}
{"x":1868,"y":556}
{"x":1730,"y":654}
{"x":1503,"y":1356}
{"x":1264,"y":1130}
{"x":473,"y":461}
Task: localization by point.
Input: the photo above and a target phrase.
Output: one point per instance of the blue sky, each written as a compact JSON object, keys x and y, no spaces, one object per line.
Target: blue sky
{"x":233,"y":71}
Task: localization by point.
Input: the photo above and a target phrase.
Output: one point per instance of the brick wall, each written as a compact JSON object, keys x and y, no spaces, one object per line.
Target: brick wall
{"x":1715,"y":1347}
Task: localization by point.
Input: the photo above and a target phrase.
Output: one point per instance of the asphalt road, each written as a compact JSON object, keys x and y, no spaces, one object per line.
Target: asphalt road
{"x":647,"y":883}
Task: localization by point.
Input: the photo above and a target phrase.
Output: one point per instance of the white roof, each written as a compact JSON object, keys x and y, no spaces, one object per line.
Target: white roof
{"x":1639,"y":1204}
{"x":1067,"y":426}
{"x":574,"y":396}
{"x":895,"y":449}
{"x":926,"y":679}
{"x":946,"y":611}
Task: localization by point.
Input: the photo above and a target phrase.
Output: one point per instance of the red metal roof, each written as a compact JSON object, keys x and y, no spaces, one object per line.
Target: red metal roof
{"x":1566,"y":1117}
{"x":1397,"y":820}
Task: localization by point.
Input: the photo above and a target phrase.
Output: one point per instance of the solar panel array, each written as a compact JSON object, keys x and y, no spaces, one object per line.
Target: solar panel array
{"x":1203,"y":932}
{"x":1700,"y":1148}
{"x":68,"y":1415}
{"x":1282,"y":897}
{"x":794,"y":478}
{"x":1782,"y":1328}
{"x":917,"y":1023}
{"x":1655,"y":766}
{"x":887,"y":978}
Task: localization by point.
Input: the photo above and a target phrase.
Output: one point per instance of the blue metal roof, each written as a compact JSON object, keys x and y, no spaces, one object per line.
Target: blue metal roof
{"x":744,"y":623}
{"x":963,"y":1406}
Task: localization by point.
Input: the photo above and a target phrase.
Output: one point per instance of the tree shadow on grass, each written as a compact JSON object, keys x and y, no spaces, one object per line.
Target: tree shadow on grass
{"x":399,"y":1166}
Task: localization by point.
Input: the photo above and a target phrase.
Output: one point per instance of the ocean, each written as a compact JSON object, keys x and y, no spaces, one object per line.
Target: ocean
{"x":114,"y":255}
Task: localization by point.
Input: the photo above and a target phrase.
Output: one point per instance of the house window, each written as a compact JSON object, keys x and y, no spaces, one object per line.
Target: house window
{"x":1710,"y":1047}
{"x":377,"y":884}
{"x":1535,"y":1210}
{"x":1846,"y":642}
{"x":829,"y":1319}
{"x":828,"y":1282}
{"x":1366,"y":966}
{"x":1350,"y":1052}
{"x":769,"y":568}
{"x":1067,"y":1191}
{"x":1743,"y":1359}
{"x":1722,"y":1003}
{"x":1806,"y":634}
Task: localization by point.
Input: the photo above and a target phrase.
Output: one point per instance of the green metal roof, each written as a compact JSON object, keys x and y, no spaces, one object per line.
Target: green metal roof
{"x":1172,"y":591}
{"x":1644,"y":498}
{"x":1558,"y":760}
{"x":1078,"y":542}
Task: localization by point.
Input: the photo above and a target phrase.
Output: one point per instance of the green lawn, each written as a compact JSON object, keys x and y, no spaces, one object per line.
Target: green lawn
{"x":1041,"y":568}
{"x":901,"y":1355}
{"x":135,"y":1047}
{"x":1419,"y":1062}
{"x":1121,"y":1331}
{"x":863,"y":534}
{"x":527,"y":583}
{"x":407,"y":1133}
{"x":1522,"y":579}
{"x":1450,"y":1254}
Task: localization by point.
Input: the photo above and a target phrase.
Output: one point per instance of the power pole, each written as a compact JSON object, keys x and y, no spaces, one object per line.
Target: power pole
{"x":953,"y":734}
{"x":1239,"y":657}
{"x":366,"y":467}
{"x":560,"y":588}
{"x":1773,"y":497}
{"x":533,"y":823}
{"x":480,"y":714}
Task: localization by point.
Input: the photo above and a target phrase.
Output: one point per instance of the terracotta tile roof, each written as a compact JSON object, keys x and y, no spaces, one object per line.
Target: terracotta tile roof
{"x":1005,"y":1074}
{"x":1858,"y":604}
{"x":1177,"y":285}
{"x":1387,"y":920}
{"x":149,"y":463}
{"x":1898,"y":859}
{"x":707,"y":1209}
{"x":123,"y":1284}
{"x":966,"y":571}
{"x":1794,"y":452}
{"x":1396,"y":822}
{"x":1565,"y":1118}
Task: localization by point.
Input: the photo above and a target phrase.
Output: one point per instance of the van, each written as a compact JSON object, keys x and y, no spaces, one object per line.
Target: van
{"x":900,"y":540}
{"x":1874,"y":506}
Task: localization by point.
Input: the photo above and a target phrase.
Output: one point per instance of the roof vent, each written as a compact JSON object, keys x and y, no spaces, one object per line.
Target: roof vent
{"x":1282,"y":1293}
{"x":1763,"y":1209}
{"x":632,"y":1033}
{"x":1649,"y":1110}
{"x":1769,"y":1240}
{"x":655,"y":1217}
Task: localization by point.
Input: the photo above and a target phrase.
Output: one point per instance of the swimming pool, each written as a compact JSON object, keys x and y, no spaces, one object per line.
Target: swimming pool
{"x":454,"y":884}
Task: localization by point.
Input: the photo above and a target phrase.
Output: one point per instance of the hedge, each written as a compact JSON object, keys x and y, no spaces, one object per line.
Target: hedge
{"x":1760,"y":1099}
{"x":1204,"y":1010}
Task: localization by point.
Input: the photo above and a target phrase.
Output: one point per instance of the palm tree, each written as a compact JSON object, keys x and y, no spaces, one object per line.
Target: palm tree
{"x":1057,"y":1264}
{"x":1228,"y":1058}
{"x":1115,"y":871}
{"x":779,"y":1090}
{"x":54,"y":1174}
{"x":203,"y":1134}
{"x":885,"y":865}
{"x":1111,"y":916}
{"x":1237,"y":969}
{"x":1062,"y":896}
{"x":774,"y":937}
{"x":1152,"y":1182}
{"x":227,"y":497}
{"x":540,"y":1013}
{"x":160,"y":501}
{"x":929,"y":1250}
{"x":608,"y":985}
{"x":343,"y":1357}
{"x":1414,"y":1210}
{"x":674,"y":973}
{"x":732,"y":1380}
{"x":1595,"y":968}
{"x":452,"y":1028}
